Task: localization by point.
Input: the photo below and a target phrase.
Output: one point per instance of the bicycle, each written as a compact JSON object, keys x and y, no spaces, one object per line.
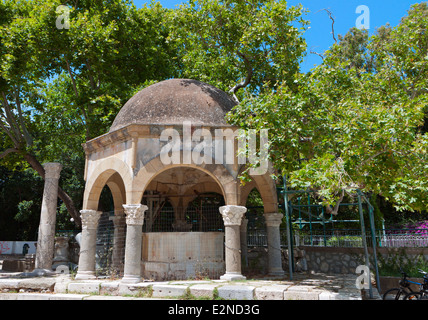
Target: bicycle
{"x":423,"y":290}
{"x":403,"y":290}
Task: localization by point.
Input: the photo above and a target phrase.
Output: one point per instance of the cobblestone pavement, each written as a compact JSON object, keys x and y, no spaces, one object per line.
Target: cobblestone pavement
{"x":20,"y":286}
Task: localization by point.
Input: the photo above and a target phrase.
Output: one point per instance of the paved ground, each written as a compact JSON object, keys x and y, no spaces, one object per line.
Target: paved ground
{"x":20,"y":286}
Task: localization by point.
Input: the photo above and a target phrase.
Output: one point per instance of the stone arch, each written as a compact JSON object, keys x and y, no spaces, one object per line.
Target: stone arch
{"x":228,"y":185}
{"x":267,"y":189}
{"x":117,"y":189}
{"x":111,"y":172}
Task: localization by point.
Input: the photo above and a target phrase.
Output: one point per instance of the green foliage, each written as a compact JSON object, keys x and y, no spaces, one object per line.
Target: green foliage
{"x":356,"y":121}
{"x":396,"y":260}
{"x":223,"y":42}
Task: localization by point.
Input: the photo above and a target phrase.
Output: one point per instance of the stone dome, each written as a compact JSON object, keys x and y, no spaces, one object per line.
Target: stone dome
{"x":174,"y":101}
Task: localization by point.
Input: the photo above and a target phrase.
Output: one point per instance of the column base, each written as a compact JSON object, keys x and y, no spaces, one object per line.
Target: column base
{"x":130,"y":279}
{"x":232,"y":277}
{"x":276,"y":272}
{"x":85,"y":275}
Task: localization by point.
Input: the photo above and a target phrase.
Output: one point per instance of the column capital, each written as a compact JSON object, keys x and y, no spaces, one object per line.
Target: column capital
{"x":273,"y":219}
{"x":134,"y":213}
{"x":232,"y":215}
{"x":90,"y":218}
{"x":52,"y":170}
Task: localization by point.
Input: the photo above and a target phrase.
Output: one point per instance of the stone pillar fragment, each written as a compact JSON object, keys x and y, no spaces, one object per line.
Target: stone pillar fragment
{"x":88,"y":245}
{"x":46,"y":235}
{"x":232,"y":216}
{"x":134,"y":228}
{"x":273,"y":221}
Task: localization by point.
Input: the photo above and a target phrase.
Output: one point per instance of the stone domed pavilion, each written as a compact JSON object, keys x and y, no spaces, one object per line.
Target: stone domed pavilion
{"x":154,"y":151}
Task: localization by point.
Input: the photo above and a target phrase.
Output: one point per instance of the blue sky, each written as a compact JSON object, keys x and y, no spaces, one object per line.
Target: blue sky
{"x":319,"y":37}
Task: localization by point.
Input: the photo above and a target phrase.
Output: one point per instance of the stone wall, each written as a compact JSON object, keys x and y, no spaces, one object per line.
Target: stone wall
{"x":333,"y":260}
{"x":330,"y":260}
{"x":345,"y":260}
{"x":182,"y":255}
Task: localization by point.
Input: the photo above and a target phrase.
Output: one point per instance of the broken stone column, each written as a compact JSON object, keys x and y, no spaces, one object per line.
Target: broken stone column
{"x":61,"y":252}
{"x":134,"y":229}
{"x":88,"y":244}
{"x":232,"y":217}
{"x":273,"y":221}
{"x":46,"y":236}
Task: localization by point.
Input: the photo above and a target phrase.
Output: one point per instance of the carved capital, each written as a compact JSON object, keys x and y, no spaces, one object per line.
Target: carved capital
{"x":52,"y":170}
{"x":135,"y":213}
{"x":232,"y":215}
{"x":273,"y":219}
{"x":90,"y":218}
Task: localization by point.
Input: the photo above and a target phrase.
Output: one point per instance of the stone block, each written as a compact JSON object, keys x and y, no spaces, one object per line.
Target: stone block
{"x":68,"y":296}
{"x":166,"y":290}
{"x":203,"y":290}
{"x":301,"y":295}
{"x":33,"y":296}
{"x":111,"y":287}
{"x":135,"y":289}
{"x":302,"y":292}
{"x":275,"y":292}
{"x":8,"y":296}
{"x":38,"y":284}
{"x":13,"y":265}
{"x":236,"y":292}
{"x":84,"y":287}
{"x":9,"y":284}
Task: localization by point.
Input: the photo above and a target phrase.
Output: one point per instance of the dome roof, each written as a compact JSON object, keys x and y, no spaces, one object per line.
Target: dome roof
{"x":174,"y":101}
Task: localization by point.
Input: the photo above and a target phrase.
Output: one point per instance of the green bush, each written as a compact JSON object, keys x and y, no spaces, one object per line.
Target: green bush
{"x":345,"y":241}
{"x":390,"y":264}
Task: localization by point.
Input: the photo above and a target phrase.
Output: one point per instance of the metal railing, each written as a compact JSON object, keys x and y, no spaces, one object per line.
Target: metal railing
{"x":351,"y":238}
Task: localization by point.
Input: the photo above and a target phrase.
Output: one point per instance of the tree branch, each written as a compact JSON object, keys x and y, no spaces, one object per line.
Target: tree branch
{"x":72,"y":78}
{"x":247,"y":79}
{"x":10,"y":118}
{"x":332,"y":23}
{"x":7,"y":151}
{"x":25,"y":132}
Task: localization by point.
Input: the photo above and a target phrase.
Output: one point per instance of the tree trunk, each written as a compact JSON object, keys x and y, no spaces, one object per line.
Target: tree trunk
{"x":74,"y":213}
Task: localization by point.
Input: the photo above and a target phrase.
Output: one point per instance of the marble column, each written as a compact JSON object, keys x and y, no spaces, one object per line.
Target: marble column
{"x":88,"y":245}
{"x":119,"y":223}
{"x":46,"y":235}
{"x":273,"y":221}
{"x":232,"y":217}
{"x":134,"y":229}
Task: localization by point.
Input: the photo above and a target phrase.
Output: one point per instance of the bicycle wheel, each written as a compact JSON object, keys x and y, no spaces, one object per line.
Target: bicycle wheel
{"x":415,"y":296}
{"x":394,"y":294}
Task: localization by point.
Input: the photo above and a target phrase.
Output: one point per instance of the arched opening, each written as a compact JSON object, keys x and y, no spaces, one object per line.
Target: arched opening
{"x":183,"y":231}
{"x":183,"y":199}
{"x":107,"y":194}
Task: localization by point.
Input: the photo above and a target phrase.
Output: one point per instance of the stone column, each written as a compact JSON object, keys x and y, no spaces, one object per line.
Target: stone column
{"x":134,"y":229}
{"x":46,"y":236}
{"x":273,"y":221}
{"x":232,"y":216}
{"x":119,"y":223}
{"x":244,"y":246}
{"x":88,"y":245}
